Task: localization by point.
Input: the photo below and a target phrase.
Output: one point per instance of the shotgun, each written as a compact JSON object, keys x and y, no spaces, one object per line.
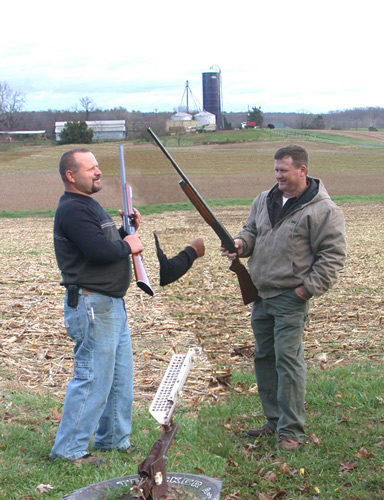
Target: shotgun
{"x":142,"y":280}
{"x":248,"y":289}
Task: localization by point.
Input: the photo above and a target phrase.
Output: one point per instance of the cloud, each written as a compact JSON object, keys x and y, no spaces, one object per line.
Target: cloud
{"x":279,"y":55}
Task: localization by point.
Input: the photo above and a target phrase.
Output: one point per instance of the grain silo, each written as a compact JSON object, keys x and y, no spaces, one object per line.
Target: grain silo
{"x":180,"y":122}
{"x":212,"y":95}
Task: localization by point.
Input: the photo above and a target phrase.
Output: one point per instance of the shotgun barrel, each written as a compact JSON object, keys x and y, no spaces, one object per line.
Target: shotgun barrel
{"x":247,"y":288}
{"x":142,"y":280}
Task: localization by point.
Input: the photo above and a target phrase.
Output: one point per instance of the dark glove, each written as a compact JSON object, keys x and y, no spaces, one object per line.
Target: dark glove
{"x":173,"y":269}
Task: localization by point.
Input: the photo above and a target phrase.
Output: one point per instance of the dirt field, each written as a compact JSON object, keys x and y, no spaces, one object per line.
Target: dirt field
{"x":362,"y":135}
{"x":240,"y":170}
{"x":203,"y":309}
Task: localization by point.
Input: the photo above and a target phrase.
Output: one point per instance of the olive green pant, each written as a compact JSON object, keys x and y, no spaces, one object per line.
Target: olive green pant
{"x":278,"y":325}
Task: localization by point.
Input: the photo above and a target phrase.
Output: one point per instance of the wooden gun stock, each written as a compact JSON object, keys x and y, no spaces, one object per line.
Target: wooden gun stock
{"x":248,"y":289}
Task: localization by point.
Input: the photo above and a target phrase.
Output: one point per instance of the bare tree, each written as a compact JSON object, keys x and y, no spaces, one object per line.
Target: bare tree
{"x":303,"y":120}
{"x":88,"y":105}
{"x":11,"y":103}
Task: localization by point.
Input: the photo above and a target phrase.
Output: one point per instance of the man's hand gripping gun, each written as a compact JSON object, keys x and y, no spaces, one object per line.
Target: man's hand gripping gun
{"x":248,"y":289}
{"x":152,"y":470}
{"x":129,"y":227}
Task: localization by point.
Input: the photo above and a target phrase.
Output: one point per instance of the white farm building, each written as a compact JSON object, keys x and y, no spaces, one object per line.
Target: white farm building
{"x":102,"y":130}
{"x":206,"y":120}
{"x":185,"y":122}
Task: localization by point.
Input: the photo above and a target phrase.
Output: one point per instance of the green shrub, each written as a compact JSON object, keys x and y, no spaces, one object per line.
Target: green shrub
{"x":76,"y":133}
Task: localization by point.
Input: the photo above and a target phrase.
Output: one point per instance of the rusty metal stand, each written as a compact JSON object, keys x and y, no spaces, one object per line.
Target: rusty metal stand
{"x":152,"y":471}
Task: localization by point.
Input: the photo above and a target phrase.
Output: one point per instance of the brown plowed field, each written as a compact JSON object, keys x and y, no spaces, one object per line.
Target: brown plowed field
{"x":361,"y":135}
{"x":30,"y":180}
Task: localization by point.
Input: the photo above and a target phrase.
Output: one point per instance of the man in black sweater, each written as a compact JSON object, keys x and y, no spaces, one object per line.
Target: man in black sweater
{"x":93,"y":257}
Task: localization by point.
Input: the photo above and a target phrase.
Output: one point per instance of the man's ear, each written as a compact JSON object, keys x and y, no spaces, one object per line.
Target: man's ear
{"x":69,"y":176}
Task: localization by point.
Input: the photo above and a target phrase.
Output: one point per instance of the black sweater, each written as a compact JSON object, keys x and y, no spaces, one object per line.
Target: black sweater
{"x":90,"y":251}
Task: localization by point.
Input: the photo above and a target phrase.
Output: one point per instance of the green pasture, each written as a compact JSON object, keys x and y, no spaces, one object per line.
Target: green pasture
{"x":255,"y":135}
{"x":331,"y":138}
{"x":158,"y":208}
{"x":343,"y":458}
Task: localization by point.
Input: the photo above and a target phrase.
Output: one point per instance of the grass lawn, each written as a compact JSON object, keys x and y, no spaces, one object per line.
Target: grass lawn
{"x":342,"y":459}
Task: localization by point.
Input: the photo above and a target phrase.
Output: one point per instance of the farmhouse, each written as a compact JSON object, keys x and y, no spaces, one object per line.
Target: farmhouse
{"x":102,"y":129}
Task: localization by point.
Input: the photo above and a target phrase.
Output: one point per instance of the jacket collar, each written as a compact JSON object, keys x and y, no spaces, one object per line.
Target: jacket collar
{"x":305,"y":197}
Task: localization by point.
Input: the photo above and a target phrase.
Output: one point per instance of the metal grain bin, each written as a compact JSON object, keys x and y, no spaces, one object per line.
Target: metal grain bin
{"x":212,"y":95}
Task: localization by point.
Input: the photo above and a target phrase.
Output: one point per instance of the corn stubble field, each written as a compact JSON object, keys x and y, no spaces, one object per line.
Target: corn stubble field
{"x":204,"y":308}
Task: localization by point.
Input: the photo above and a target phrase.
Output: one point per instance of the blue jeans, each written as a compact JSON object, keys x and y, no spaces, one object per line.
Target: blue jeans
{"x":99,"y":396}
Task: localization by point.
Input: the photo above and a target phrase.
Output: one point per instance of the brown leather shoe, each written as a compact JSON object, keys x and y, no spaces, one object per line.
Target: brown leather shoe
{"x":264,"y":431}
{"x":88,"y":459}
{"x":288,"y":444}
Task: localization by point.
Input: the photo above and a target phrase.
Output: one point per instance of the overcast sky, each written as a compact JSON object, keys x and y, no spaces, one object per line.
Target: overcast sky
{"x":281,"y":55}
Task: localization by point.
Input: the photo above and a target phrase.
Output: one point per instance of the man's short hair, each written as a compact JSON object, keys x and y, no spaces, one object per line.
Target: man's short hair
{"x":68,"y":161}
{"x":298,"y":154}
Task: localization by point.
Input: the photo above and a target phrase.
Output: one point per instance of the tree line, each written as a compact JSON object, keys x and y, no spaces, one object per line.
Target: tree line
{"x":12,"y":117}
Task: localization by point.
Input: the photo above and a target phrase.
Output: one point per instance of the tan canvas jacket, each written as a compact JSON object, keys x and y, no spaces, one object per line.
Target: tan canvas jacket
{"x":305,"y":248}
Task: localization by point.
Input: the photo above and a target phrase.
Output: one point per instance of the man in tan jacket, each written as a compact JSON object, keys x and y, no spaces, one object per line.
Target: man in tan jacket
{"x":295,"y":240}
